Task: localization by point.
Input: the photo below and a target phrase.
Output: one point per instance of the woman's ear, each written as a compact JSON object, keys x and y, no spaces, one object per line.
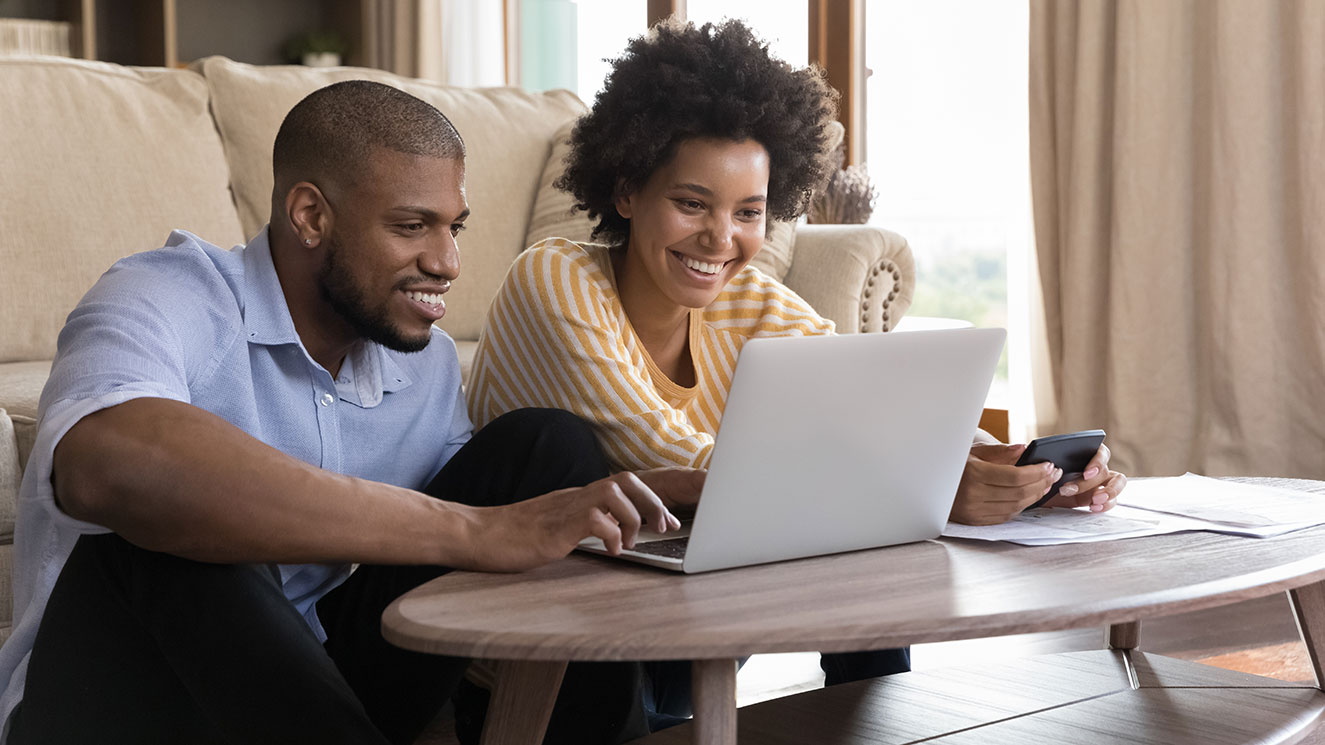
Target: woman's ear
{"x":621,"y":198}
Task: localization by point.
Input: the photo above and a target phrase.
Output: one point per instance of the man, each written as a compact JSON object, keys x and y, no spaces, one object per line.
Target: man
{"x":225,"y":432}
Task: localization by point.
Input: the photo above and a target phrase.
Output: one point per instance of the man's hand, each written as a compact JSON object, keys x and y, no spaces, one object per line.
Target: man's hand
{"x":1097,"y":488}
{"x":539,"y":530}
{"x":993,"y":489}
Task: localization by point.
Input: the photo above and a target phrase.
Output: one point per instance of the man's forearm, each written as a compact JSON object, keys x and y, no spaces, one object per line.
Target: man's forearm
{"x":171,"y":477}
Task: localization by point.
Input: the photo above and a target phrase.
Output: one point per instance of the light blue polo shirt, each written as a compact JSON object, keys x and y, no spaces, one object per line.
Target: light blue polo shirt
{"x":208,"y":326}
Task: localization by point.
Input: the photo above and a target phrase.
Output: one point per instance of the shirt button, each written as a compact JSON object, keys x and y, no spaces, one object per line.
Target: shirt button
{"x":326,"y":399}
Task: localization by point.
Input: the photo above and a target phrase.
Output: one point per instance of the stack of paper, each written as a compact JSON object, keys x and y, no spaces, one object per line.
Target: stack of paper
{"x":1163,"y":505}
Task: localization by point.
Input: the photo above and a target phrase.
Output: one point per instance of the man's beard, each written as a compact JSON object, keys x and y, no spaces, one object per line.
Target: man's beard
{"x":347,"y":299}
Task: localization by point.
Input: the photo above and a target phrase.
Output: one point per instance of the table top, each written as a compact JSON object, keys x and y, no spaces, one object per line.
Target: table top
{"x":594,"y":608}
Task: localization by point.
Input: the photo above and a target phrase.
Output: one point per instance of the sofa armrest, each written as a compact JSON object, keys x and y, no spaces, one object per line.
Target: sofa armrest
{"x":860,"y":277}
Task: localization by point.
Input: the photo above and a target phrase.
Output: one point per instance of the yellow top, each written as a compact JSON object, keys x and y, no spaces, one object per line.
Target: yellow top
{"x":557,"y":336}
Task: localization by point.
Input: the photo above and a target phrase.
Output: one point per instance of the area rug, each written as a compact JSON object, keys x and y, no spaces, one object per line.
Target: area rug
{"x":1281,"y":661}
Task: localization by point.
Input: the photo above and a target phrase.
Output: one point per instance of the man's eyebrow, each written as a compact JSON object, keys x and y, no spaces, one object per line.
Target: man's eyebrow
{"x":430,"y":214}
{"x":705,"y":191}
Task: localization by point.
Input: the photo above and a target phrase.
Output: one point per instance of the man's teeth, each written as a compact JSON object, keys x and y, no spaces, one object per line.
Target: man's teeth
{"x":700,"y":266}
{"x":431,"y":298}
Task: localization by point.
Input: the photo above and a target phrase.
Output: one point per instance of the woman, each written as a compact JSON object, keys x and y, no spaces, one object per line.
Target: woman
{"x":697,"y":140}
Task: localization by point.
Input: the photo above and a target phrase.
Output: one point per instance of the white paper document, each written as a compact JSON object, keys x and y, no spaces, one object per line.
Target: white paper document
{"x":1162,"y":505}
{"x":1227,"y":503}
{"x":1047,"y":526}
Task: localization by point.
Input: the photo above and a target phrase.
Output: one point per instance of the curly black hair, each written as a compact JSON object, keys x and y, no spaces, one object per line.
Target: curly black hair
{"x":679,"y":82}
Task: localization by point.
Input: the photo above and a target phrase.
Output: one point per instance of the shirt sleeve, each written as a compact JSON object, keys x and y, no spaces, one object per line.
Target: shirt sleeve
{"x":755,"y":304}
{"x":553,"y":340}
{"x":123,"y":341}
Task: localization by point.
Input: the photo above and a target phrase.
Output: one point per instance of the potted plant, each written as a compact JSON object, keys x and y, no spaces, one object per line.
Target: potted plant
{"x":847,"y":198}
{"x":317,"y":49}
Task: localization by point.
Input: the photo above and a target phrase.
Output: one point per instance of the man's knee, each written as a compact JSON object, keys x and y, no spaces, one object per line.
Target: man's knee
{"x":555,"y":426}
{"x":552,"y":434}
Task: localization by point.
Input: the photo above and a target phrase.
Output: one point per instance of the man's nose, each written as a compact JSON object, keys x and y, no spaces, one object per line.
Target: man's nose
{"x":442,"y":257}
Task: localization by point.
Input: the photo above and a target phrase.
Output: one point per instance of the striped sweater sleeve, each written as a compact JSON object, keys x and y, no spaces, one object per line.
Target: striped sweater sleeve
{"x":552,"y":339}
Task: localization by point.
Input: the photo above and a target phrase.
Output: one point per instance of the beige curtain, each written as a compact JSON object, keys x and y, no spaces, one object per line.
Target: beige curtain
{"x":403,"y":37}
{"x":457,"y":42}
{"x":1178,"y":178}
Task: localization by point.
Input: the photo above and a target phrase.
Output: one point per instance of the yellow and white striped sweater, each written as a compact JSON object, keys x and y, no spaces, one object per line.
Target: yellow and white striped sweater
{"x":557,"y":336}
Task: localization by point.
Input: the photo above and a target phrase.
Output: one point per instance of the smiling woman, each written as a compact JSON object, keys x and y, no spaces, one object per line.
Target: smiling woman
{"x":698,"y":139}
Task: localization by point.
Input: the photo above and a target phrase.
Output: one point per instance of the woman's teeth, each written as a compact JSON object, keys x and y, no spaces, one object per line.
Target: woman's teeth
{"x":700,"y":266}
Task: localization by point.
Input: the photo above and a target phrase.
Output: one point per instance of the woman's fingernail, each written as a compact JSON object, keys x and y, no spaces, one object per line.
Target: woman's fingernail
{"x":1048,"y":468}
{"x":1090,"y":472}
{"x":1068,"y":490}
{"x":1097,"y":508}
{"x":1100,"y":498}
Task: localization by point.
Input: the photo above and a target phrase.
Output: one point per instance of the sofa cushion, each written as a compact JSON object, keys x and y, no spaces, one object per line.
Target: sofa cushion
{"x":100,"y":162}
{"x":20,"y":390}
{"x":555,"y":215}
{"x":10,"y":476}
{"x":507,"y":133}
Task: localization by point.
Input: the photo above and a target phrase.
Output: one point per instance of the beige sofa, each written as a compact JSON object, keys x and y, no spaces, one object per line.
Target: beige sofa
{"x":99,"y":161}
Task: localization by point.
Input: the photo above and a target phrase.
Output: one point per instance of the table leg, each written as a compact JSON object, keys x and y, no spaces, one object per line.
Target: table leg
{"x":1309,"y":607}
{"x":1125,"y":635}
{"x":714,"y":701}
{"x":522,"y":702}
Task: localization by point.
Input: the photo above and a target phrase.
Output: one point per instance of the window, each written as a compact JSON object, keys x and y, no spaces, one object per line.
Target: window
{"x":567,"y":43}
{"x":948,"y":152}
{"x":782,"y":23}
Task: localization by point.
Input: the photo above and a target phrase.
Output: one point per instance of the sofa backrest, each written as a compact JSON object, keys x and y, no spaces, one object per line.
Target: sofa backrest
{"x":508,"y":136}
{"x":97,"y":162}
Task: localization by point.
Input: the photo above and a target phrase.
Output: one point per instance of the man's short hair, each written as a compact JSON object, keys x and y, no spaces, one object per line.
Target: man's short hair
{"x":329,"y":136}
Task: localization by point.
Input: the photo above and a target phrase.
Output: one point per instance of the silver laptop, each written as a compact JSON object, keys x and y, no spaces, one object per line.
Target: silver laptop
{"x":833,"y":443}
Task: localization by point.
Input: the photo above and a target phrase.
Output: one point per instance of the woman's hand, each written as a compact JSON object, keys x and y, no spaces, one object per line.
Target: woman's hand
{"x":1098,"y":487}
{"x":994,"y":489}
{"x":678,"y":487}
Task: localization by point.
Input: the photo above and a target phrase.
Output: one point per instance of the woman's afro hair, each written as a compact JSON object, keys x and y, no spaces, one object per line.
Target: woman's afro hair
{"x":679,"y":82}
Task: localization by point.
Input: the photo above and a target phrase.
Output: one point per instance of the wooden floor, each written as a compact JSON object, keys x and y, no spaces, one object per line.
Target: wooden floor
{"x":1222,"y":636}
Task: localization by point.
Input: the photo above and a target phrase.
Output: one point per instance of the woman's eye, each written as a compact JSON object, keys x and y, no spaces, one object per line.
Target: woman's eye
{"x":693,"y":205}
{"x":751,"y":214}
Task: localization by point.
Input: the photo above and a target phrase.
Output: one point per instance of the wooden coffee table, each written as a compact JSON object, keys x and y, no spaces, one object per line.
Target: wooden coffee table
{"x":590,"y":608}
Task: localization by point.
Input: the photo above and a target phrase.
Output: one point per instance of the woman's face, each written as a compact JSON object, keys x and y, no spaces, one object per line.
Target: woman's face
{"x":697,"y":221}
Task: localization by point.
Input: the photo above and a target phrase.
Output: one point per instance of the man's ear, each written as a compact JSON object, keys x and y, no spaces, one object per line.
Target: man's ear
{"x":309,"y":213}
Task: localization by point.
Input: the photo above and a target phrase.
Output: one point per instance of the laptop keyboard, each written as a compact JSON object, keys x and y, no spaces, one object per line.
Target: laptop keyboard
{"x":671,"y":548}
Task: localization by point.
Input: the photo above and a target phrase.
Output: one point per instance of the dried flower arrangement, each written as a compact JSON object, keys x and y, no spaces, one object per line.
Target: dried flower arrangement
{"x":847,"y":198}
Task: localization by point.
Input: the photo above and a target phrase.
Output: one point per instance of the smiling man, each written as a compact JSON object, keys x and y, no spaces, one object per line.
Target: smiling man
{"x":226,"y":432}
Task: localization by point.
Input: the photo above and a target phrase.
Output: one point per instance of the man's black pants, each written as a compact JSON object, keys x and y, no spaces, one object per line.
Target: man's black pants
{"x":143,"y":647}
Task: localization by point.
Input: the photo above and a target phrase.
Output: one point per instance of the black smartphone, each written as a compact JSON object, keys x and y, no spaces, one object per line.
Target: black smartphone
{"x":1071,"y":452}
